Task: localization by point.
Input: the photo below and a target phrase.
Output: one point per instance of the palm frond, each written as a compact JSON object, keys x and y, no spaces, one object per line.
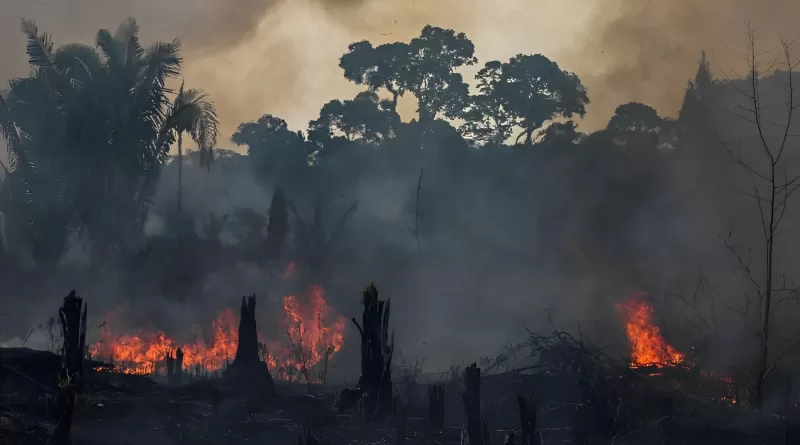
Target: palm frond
{"x":105,"y":41}
{"x":127,"y":39}
{"x":39,"y":46}
{"x":162,"y":62}
{"x":17,"y":157}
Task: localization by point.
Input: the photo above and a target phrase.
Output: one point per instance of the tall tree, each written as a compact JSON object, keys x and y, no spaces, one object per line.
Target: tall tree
{"x":273,"y":150}
{"x":426,"y":67}
{"x":89,"y":130}
{"x":524,"y":92}
{"x":196,"y":116}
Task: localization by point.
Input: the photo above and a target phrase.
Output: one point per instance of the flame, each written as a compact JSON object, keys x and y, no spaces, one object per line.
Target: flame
{"x":140,"y":353}
{"x":647,"y":345}
{"x":314,"y":332}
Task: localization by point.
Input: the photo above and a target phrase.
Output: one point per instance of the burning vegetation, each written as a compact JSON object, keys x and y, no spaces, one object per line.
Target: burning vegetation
{"x":647,"y":345}
{"x":314,"y":332}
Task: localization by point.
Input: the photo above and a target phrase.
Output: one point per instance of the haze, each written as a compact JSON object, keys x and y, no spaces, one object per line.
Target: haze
{"x":280,"y":57}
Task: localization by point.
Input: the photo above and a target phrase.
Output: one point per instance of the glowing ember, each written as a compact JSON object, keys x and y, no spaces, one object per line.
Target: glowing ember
{"x":647,"y":345}
{"x":313,"y":333}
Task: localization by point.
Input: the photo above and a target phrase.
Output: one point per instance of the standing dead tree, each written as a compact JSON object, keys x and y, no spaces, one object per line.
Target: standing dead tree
{"x":527,"y":420}
{"x":436,"y":407}
{"x":377,"y":349}
{"x":766,"y":163}
{"x":247,"y":368}
{"x":175,"y":367}
{"x":73,"y":328}
{"x":414,"y":230}
{"x":472,"y":404}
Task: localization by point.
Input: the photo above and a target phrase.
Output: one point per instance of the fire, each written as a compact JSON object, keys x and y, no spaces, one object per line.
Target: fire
{"x":140,"y":353}
{"x":314,"y":332}
{"x":647,"y":345}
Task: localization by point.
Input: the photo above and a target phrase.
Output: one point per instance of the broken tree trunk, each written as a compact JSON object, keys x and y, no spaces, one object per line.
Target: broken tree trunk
{"x":377,"y":348}
{"x":400,"y":419}
{"x":472,"y":404}
{"x":73,"y":330}
{"x":65,"y":407}
{"x":248,"y":372}
{"x":436,"y":407}
{"x":175,"y":367}
{"x":527,"y":419}
{"x":178,"y":371}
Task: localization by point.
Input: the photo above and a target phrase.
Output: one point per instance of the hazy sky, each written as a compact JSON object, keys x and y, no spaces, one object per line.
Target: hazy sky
{"x":281,"y":56}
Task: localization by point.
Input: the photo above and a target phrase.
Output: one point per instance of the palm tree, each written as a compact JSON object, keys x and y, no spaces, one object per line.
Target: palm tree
{"x":89,"y":131}
{"x":198,"y":118}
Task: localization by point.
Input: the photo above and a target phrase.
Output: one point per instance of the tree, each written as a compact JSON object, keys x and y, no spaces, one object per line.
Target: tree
{"x":89,"y":131}
{"x":198,"y":120}
{"x":425,"y":67}
{"x":273,"y":150}
{"x":524,"y":92}
{"x":365,"y":119}
{"x":774,"y":180}
{"x":635,"y":123}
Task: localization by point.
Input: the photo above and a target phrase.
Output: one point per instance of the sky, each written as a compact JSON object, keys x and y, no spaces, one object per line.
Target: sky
{"x":281,"y":56}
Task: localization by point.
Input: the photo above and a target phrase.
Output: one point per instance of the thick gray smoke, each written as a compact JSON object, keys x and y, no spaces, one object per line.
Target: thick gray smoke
{"x":280,"y":57}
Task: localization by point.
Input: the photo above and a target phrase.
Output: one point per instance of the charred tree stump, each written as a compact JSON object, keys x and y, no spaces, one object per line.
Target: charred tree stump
{"x":377,"y":348}
{"x":527,"y":420}
{"x":472,"y":404}
{"x":400,"y":421}
{"x":178,"y":366}
{"x":175,"y":367}
{"x":73,"y":330}
{"x":170,"y":368}
{"x":436,"y":407}
{"x":65,"y":408}
{"x":248,"y":372}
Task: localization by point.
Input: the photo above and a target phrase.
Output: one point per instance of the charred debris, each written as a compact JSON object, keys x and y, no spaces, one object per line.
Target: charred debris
{"x":570,"y":392}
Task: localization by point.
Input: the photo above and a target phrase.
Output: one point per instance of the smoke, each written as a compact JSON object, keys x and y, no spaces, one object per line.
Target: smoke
{"x":281,"y":57}
{"x":276,"y":56}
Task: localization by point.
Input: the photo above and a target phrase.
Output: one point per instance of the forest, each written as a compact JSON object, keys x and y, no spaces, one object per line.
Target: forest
{"x":491,"y":194}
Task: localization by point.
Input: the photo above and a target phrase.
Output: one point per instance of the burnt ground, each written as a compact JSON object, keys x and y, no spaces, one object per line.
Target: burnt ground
{"x":117,"y":409}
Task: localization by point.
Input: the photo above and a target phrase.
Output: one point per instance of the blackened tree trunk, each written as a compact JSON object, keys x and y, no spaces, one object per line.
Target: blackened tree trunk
{"x":527,"y":420}
{"x":65,"y":407}
{"x":472,"y":404}
{"x":175,"y":367}
{"x":179,"y":366}
{"x":73,"y":330}
{"x":377,"y":349}
{"x":247,"y":349}
{"x":248,"y":372}
{"x":436,"y":406}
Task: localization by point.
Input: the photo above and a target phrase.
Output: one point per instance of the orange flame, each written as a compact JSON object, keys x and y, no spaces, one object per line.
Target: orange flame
{"x":140,"y":353}
{"x":647,"y":345}
{"x":314,"y":332}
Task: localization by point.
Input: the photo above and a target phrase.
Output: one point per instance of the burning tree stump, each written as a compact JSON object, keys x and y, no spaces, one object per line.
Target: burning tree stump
{"x":436,"y":406}
{"x":73,"y":329}
{"x":527,"y":419}
{"x":472,"y":404}
{"x":248,"y":371}
{"x":377,"y":348}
